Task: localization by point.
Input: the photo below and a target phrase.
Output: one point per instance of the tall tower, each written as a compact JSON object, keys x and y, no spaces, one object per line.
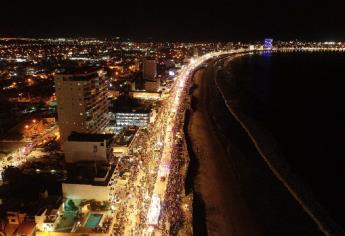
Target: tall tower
{"x":151,"y":81}
{"x":82,"y":101}
{"x":149,"y":69}
{"x":195,"y":52}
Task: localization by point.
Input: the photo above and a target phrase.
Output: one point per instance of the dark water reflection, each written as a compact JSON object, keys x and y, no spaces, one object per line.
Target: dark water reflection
{"x":299,"y":98}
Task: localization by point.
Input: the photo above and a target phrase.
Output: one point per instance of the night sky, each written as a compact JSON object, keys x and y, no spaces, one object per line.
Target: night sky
{"x":174,"y":20}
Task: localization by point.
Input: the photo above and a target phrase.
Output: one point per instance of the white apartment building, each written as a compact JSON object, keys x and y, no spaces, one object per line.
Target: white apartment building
{"x":82,"y":101}
{"x":88,"y":147}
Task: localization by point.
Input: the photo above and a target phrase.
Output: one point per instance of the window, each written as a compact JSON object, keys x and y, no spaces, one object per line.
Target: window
{"x":102,"y":144}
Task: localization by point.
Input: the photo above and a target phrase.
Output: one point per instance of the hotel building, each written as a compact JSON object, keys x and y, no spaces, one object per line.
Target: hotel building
{"x":82,"y":101}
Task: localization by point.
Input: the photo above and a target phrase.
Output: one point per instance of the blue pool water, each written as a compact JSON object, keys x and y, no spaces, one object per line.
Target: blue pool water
{"x":93,"y":220}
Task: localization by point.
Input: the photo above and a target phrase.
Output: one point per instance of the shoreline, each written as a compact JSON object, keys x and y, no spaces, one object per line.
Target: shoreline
{"x":279,"y":167}
{"x":238,"y":176}
{"x":215,"y":213}
{"x":198,"y":205}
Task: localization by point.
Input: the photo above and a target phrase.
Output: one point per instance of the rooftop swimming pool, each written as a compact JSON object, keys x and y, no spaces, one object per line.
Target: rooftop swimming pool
{"x":93,"y":220}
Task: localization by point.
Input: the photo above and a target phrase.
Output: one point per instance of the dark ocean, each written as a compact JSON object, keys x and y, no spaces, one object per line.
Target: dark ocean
{"x":299,"y":97}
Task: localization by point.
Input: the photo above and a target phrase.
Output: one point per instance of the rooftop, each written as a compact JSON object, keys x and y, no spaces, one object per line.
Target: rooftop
{"x":129,"y":105}
{"x":149,"y":58}
{"x":78,"y":71}
{"x":89,"y":172}
{"x":125,"y":137}
{"x":85,"y":137}
{"x":34,"y":207}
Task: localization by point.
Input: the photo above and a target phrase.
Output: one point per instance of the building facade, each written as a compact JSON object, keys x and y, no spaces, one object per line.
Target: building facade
{"x":88,"y":147}
{"x":82,"y":102}
{"x":152,"y":85}
{"x":140,"y":119}
{"x":149,"y":69}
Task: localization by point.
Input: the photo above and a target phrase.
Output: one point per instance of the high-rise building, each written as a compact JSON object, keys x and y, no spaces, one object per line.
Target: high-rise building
{"x":151,"y":80}
{"x":195,"y":52}
{"x":82,"y":101}
{"x":149,"y":69}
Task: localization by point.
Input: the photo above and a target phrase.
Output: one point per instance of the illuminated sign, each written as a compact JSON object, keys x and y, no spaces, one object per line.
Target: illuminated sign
{"x":268,"y":44}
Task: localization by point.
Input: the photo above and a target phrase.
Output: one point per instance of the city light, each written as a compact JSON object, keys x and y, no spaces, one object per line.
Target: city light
{"x":139,"y":189}
{"x":154,"y":211}
{"x":268,"y":44}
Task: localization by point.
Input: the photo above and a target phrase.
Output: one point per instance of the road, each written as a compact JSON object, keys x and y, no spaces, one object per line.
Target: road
{"x":145,"y":190}
{"x":18,"y":157}
{"x":148,"y":180}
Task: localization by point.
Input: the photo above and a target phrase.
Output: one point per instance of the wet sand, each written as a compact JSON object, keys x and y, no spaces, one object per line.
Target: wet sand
{"x":226,"y":212}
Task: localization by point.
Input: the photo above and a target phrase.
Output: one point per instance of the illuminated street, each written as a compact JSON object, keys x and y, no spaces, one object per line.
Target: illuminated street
{"x":124,"y":141}
{"x":28,"y":150}
{"x":168,"y":118}
{"x":142,"y":194}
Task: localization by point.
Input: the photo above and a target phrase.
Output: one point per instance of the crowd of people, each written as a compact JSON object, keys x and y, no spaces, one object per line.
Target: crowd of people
{"x":147,"y":153}
{"x":172,"y":215}
{"x":140,"y":184}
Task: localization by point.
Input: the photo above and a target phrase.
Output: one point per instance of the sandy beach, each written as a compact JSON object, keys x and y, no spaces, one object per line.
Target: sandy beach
{"x":226,"y":213}
{"x":239,"y":193}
